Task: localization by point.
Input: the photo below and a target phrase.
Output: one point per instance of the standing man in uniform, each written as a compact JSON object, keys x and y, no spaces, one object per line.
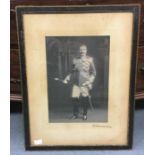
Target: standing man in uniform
{"x":82,"y":77}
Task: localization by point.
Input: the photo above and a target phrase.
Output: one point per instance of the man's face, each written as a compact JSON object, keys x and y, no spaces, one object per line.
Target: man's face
{"x":83,"y":50}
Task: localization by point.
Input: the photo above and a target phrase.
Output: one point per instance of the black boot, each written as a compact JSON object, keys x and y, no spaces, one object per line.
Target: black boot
{"x":75,"y":102}
{"x":85,"y":102}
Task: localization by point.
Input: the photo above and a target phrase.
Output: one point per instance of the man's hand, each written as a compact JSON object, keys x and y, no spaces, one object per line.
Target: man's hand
{"x":86,"y":83}
{"x":65,"y":81}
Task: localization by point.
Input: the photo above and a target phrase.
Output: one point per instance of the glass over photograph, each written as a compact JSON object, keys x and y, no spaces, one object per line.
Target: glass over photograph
{"x":77,"y":72}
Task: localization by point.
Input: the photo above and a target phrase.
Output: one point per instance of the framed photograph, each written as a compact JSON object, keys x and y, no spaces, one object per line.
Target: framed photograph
{"x":78,"y":66}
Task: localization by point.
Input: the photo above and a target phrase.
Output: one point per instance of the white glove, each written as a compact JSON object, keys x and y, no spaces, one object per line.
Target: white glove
{"x":86,"y":83}
{"x":65,"y":81}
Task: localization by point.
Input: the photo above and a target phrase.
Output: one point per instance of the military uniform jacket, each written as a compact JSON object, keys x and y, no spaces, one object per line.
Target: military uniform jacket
{"x":83,"y":70}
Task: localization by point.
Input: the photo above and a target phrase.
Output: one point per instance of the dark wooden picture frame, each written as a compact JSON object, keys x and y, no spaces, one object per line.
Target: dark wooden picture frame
{"x":22,"y":10}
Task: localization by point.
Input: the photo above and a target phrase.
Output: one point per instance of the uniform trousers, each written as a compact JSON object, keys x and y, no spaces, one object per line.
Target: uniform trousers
{"x":80,"y":96}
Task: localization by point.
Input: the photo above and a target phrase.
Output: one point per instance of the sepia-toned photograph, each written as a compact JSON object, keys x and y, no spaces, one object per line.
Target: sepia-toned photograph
{"x":77,"y":69}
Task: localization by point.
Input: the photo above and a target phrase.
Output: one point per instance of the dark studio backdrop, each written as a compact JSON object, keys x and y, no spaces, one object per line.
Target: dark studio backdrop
{"x":60,"y":52}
